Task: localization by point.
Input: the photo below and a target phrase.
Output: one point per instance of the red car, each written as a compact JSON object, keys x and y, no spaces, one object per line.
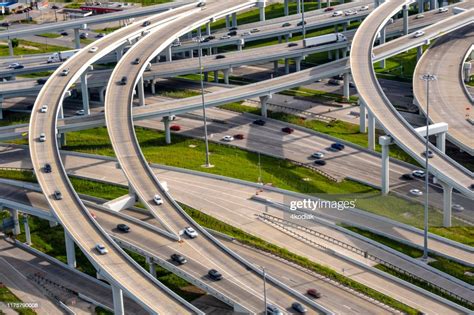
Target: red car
{"x":239,"y":136}
{"x":175,"y":128}
{"x":93,"y":215}
{"x":287,"y":130}
{"x":314,"y":293}
{"x":329,"y":9}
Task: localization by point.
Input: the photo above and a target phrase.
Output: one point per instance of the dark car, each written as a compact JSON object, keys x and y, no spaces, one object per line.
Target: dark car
{"x":175,"y":127}
{"x":471,"y":187}
{"x":292,"y":44}
{"x":136,"y":61}
{"x":100,"y":35}
{"x":338,"y":77}
{"x":178,"y":259}
{"x":214,"y":275}
{"x":338,"y":146}
{"x":55,"y":7}
{"x":299,"y":308}
{"x":232,"y":33}
{"x":329,"y":9}
{"x":301,"y":23}
{"x":58,"y":195}
{"x":408,"y":176}
{"x":233,"y":28}
{"x":123,"y":228}
{"x":314,"y":293}
{"x":220,"y":57}
{"x":287,"y":130}
{"x":286,"y":24}
{"x":64,"y":33}
{"x":123,"y":81}
{"x":259,"y":122}
{"x":210,"y":37}
{"x":430,"y":154}
{"x":146,"y":23}
{"x":239,"y":136}
{"x":6,"y":24}
{"x":47,"y":168}
{"x":334,"y":82}
{"x":41,"y":81}
{"x":201,"y":4}
{"x":83,"y":36}
{"x":18,"y":66}
{"x":320,"y":162}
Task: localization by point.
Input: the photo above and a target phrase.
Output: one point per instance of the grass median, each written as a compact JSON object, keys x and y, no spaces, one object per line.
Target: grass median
{"x":26,"y":47}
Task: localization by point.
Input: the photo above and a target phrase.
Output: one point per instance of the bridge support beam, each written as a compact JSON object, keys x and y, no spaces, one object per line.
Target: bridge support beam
{"x":234,"y":19}
{"x":166,"y":122}
{"x":26,"y":225}
{"x":371,"y":137}
{"x":168,"y":54}
{"x":141,"y":92}
{"x":275,"y":66}
{"x":10,"y":48}
{"x":118,"y":300}
{"x":382,"y":41}
{"x":298,"y":6}
{"x":287,"y":65}
{"x":433,"y":4}
{"x":419,"y":52}
{"x":226,"y":76}
{"x":70,"y":250}
{"x":262,"y":14}
{"x":362,"y":116}
{"x":16,"y":222}
{"x":347,"y":91}
{"x":208,"y":28}
{"x":153,"y":86}
{"x":152,"y":265}
{"x":405,"y":20}
{"x":119,"y":53}
{"x":467,"y":71}
{"x":298,"y":63}
{"x":216,"y":76}
{"x":421,"y":6}
{"x":385,"y":142}
{"x":447,"y":202}
{"x":85,"y":94}
{"x":102,"y":94}
{"x":263,"y":105}
{"x":206,"y":76}
{"x":227,"y":21}
{"x":441,"y":141}
{"x":77,"y":39}
{"x":285,"y":7}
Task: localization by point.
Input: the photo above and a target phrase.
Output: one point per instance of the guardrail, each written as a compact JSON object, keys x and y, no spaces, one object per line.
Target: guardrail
{"x":21,"y":169}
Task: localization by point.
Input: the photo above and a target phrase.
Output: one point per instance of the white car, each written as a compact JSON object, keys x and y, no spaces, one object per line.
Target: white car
{"x":419,"y":16}
{"x":418,"y":173}
{"x":337,"y":13}
{"x":157,"y":199}
{"x":44,"y":109}
{"x":225,"y":37}
{"x":418,"y":34}
{"x":93,"y":49}
{"x":14,"y":65}
{"x":442,"y":10}
{"x":246,"y":34}
{"x":364,"y":8}
{"x":350,"y":12}
{"x":457,"y":208}
{"x":190,"y":232}
{"x":317,"y":155}
{"x":416,"y":192}
{"x":228,"y":138}
{"x":65,"y":72}
{"x":101,"y":249}
{"x":42,"y":137}
{"x":80,"y":112}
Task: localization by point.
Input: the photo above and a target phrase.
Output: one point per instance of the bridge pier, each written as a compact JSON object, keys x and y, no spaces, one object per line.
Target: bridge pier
{"x":287,"y":65}
{"x":141,"y":92}
{"x":226,"y":76}
{"x":119,"y":53}
{"x":206,"y":76}
{"x":227,"y":22}
{"x":330,"y":54}
{"x":102,"y":94}
{"x":85,"y":94}
{"x":153,"y":86}
{"x":433,"y":4}
{"x":298,"y":6}
{"x":208,"y":28}
{"x":441,"y":141}
{"x":262,"y":14}
{"x":216,"y":76}
{"x":166,"y":122}
{"x":346,"y":90}
{"x":263,"y":105}
{"x":16,"y":222}
{"x":285,"y":7}
{"x":1,"y":107}
{"x":447,"y":203}
{"x":77,"y":39}
{"x":70,"y":250}
{"x":421,"y":6}
{"x":53,"y":224}
{"x":419,"y":52}
{"x":337,"y":54}
{"x":287,"y":38}
{"x":405,"y":20}
{"x":152,"y":265}
{"x":234,"y":19}
{"x":467,"y":71}
{"x":168,"y":54}
{"x":298,"y":63}
{"x":275,"y":67}
{"x":10,"y":48}
{"x":385,"y":142}
{"x":26,"y":225}
{"x":117,"y":295}
{"x":371,"y":137}
{"x":362,"y":117}
{"x":382,"y":41}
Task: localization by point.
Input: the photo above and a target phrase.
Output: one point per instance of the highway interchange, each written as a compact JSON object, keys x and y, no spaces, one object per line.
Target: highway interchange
{"x":242,"y":285}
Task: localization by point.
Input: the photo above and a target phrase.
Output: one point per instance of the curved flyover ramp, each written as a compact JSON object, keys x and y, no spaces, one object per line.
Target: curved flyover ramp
{"x":241,"y":277}
{"x":116,"y":266}
{"x":393,"y":123}
{"x":449,"y":99}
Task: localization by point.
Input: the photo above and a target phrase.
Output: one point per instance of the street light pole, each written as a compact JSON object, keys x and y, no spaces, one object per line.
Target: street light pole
{"x":264,"y":290}
{"x":206,"y":141}
{"x":301,"y":4}
{"x":427,"y":78}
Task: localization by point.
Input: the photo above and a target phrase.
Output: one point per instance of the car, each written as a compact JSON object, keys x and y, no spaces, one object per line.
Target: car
{"x":42,"y":137}
{"x":350,"y":12}
{"x":228,"y":138}
{"x":15,"y":65}
{"x":301,"y":23}
{"x":220,"y":57}
{"x":416,"y":192}
{"x":457,"y":208}
{"x":100,"y":35}
{"x":471,"y":187}
{"x":418,"y":34}
{"x":47,"y":168}
{"x":55,"y":7}
{"x":175,"y":127}
{"x":317,"y":155}
{"x":287,"y":24}
{"x":320,"y":162}
{"x":239,"y":136}
{"x":57,"y":195}
{"x":123,"y":81}
{"x":41,"y":81}
{"x":93,"y":215}
{"x":201,"y":4}
{"x":44,"y":109}
{"x":146,"y":23}
{"x":337,"y":146}
{"x":80,"y":112}
{"x":299,"y":308}
{"x":123,"y":228}
{"x":419,"y":16}
{"x":93,"y":49}
{"x":64,"y":33}
{"x":246,"y":34}
{"x":232,"y":33}
{"x":148,"y":67}
{"x":442,"y":10}
{"x":334,"y":82}
{"x":364,"y":8}
{"x":190,"y":232}
{"x":287,"y":130}
{"x":65,"y":72}
{"x":292,"y":44}
{"x":337,"y":13}
{"x":338,"y":77}
{"x":328,"y":9}
{"x":101,"y":249}
{"x":259,"y":122}
{"x":273,"y":310}
{"x":254,"y":30}
{"x":430,"y":154}
{"x":408,"y":176}
{"x":214,"y":275}
{"x":418,"y":173}
{"x":6,"y":24}
{"x":233,"y":28}
{"x":83,"y":35}
{"x":314,"y":293}
{"x":225,"y":37}
{"x":136,"y":61}
{"x":390,"y":21}
{"x":158,"y":200}
{"x":179,"y":259}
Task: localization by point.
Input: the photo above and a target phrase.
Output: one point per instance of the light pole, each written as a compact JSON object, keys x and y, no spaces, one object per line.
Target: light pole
{"x":427,"y":78}
{"x":264,"y":290}
{"x":302,"y":18}
{"x":206,"y":141}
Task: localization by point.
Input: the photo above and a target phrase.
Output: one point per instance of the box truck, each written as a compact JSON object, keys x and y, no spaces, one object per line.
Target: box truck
{"x":324,"y":39}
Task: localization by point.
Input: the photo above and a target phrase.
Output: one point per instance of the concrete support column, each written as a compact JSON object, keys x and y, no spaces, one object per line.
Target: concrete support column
{"x":328,"y":3}
{"x":153,"y":86}
{"x":208,"y":28}
{"x":191,"y":53}
{"x":85,"y":94}
{"x":447,"y":203}
{"x":168,"y":54}
{"x":118,"y":300}
{"x":287,"y":65}
{"x":263,"y":105}
{"x":10,"y":48}
{"x":152,"y":265}
{"x":206,"y":76}
{"x":385,"y":142}
{"x":298,"y":6}
{"x":199,"y":33}
{"x":433,"y":4}
{"x":337,"y":54}
{"x":344,"y":27}
{"x":16,"y":222}
{"x":405,"y":20}
{"x":70,"y":250}
{"x":27,"y":229}
{"x":441,"y":141}
{"x":371,"y":137}
{"x":346,"y":90}
{"x":141,"y":92}
{"x":226,"y":76}
{"x":166,"y":122}
{"x":285,"y":8}
{"x":275,"y":66}
{"x":227,"y":21}
{"x":382,"y":41}
{"x":419,"y":52}
{"x":1,"y":107}
{"x":119,"y":53}
{"x":467,"y":71}
{"x":319,"y":4}
{"x":239,"y":47}
{"x":102,"y":94}
{"x":287,"y":38}
{"x":77,"y":39}
{"x":421,"y":6}
{"x":234,"y":19}
{"x":298,"y":63}
{"x":330,"y":54}
{"x":262,"y":14}
{"x":216,"y":76}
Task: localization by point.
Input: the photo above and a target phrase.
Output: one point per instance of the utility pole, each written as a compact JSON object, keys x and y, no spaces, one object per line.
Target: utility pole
{"x":206,"y":140}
